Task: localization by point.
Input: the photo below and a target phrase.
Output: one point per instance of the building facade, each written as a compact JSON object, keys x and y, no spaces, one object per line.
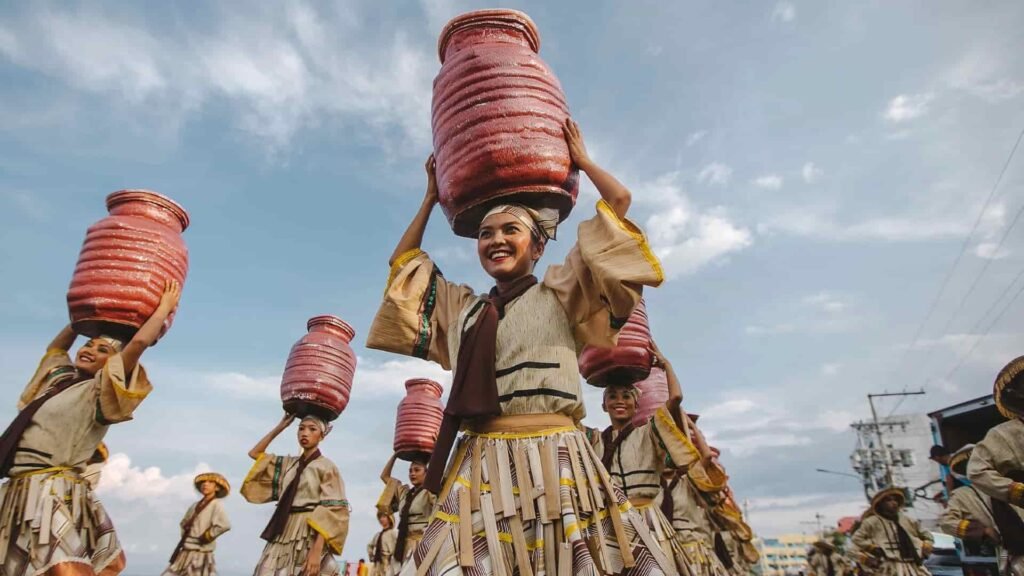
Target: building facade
{"x":785,"y":555}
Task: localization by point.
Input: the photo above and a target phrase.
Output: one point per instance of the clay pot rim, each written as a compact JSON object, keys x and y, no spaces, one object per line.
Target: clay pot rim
{"x":143,"y":195}
{"x":332,"y":320}
{"x":432,"y":384}
{"x":496,"y":17}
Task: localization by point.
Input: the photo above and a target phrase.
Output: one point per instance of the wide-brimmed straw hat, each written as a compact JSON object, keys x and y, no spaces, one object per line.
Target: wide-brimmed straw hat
{"x":223,"y":488}
{"x":1009,"y":391}
{"x":959,"y":460}
{"x":886,"y":493}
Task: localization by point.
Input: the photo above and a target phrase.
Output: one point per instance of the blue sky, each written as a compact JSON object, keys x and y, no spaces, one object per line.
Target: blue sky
{"x":807,"y":171}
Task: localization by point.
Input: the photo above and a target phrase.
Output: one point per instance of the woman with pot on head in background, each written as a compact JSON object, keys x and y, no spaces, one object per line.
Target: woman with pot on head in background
{"x":635,"y":456}
{"x":50,"y":522}
{"x":381,"y":548}
{"x":412,"y":503}
{"x":310,"y":522}
{"x":524,"y":488}
{"x":203,"y":523}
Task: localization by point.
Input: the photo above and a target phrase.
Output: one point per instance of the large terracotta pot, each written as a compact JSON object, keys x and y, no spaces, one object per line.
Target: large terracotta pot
{"x":318,"y":376}
{"x":419,"y":419}
{"x":629,"y":361}
{"x":497,"y":117}
{"x":653,"y":393}
{"x":125,"y":261}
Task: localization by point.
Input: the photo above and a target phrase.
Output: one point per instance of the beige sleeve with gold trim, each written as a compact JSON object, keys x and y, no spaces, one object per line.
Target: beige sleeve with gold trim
{"x":52,"y":361}
{"x":331,"y":516}
{"x":603,"y":276}
{"x":120,"y":394}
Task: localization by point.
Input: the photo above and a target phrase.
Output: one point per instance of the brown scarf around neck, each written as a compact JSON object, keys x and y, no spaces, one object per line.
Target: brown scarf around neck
{"x":12,"y":436}
{"x":403,"y":522}
{"x":668,"y":501}
{"x":284,"y":504}
{"x":612,"y":446}
{"x":474,"y":392}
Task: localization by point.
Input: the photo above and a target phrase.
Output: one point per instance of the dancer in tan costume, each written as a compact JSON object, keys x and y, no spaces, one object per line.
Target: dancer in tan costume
{"x":203,"y":523}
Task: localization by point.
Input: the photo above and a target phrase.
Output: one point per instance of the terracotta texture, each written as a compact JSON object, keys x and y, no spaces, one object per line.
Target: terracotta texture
{"x":628,"y":361}
{"x":653,"y":393}
{"x":419,"y":419}
{"x":318,"y":376}
{"x":497,"y":117}
{"x":125,"y":261}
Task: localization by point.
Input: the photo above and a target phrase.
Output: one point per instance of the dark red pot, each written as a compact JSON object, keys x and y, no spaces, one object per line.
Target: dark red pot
{"x":497,"y":117}
{"x":125,"y":261}
{"x":653,"y":393}
{"x":628,"y":361}
{"x":419,"y":419}
{"x":318,"y":376}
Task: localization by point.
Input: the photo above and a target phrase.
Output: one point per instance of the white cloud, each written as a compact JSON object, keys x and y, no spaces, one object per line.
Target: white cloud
{"x":790,"y":514}
{"x":747,"y":445}
{"x":830,"y":369}
{"x":695,"y":137}
{"x":815,"y":223}
{"x":241,"y":385}
{"x":826,"y":302}
{"x":123,"y":481}
{"x":784,"y":12}
{"x":907,"y":107}
{"x":811,"y":173}
{"x":768,"y":181}
{"x":990,"y":251}
{"x":279,"y":69}
{"x":715,"y":174}
{"x":981,"y":73}
{"x":684,"y":238}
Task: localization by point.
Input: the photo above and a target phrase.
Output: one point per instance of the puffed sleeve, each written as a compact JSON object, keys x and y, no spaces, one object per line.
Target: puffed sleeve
{"x":708,"y":479}
{"x":119,"y":393}
{"x":219,"y":522}
{"x":55,"y":363}
{"x":263,"y":483}
{"x":668,"y":440}
{"x":392,"y":494}
{"x":603,"y":276}
{"x":990,"y":458}
{"x":331,"y":515}
{"x":957,"y":519}
{"x":418,"y":310}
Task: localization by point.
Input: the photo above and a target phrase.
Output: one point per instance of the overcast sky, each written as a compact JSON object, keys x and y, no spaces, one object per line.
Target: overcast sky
{"x":807,"y":171}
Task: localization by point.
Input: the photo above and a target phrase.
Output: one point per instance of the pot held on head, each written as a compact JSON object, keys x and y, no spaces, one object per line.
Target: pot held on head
{"x":318,"y":376}
{"x":629,"y":361}
{"x":418,"y":419}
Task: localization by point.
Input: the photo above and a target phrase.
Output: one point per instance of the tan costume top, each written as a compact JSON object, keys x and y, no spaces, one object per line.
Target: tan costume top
{"x":393,"y":500}
{"x":320,"y":499}
{"x":639,"y":459}
{"x":689,"y":514}
{"x":386,"y":539}
{"x":878,"y":533}
{"x":998,"y":455}
{"x":585,"y":300}
{"x":211,"y":523}
{"x":68,"y":427}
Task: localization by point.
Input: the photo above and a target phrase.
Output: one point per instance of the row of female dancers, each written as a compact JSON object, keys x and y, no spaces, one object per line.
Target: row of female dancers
{"x":515,"y":485}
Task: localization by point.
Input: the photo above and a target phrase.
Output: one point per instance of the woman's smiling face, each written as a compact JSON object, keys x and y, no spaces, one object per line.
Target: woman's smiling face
{"x":93,"y":355}
{"x":506,"y":247}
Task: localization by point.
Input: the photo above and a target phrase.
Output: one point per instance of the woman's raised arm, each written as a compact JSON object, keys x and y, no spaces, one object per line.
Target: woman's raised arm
{"x":612,"y":191}
{"x":413,"y":236}
{"x":264,"y":442}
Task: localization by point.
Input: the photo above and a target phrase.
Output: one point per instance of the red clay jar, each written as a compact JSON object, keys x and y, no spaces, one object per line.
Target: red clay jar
{"x":419,"y":419}
{"x":497,"y":117}
{"x":653,"y":393}
{"x":629,"y":361}
{"x":125,"y":261}
{"x":318,"y":376}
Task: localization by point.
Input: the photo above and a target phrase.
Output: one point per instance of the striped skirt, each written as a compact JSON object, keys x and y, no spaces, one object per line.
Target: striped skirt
{"x":533,"y":503}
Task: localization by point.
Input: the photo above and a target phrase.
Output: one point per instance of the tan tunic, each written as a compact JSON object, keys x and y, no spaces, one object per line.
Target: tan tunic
{"x":878,"y":533}
{"x":585,"y":300}
{"x":998,"y":454}
{"x":319,"y":506}
{"x":211,"y":523}
{"x":68,"y":427}
{"x":637,"y":463}
{"x":392,"y":500}
{"x":386,"y":539}
{"x":689,"y":514}
{"x":819,"y":564}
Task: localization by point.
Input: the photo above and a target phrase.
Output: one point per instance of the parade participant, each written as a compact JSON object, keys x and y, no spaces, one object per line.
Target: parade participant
{"x":635,"y":455}
{"x":827,"y":561}
{"x":524,"y":488}
{"x":64,"y":413}
{"x":412,"y":502}
{"x":683,"y":505}
{"x":381,"y":548}
{"x":203,"y":523}
{"x":310,"y":522}
{"x":893,"y":538}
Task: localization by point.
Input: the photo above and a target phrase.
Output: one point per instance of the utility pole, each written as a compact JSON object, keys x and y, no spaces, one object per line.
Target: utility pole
{"x":878,"y":429}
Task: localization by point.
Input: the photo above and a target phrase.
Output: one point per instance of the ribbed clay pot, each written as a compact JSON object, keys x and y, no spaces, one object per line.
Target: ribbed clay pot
{"x":125,"y":261}
{"x":497,"y":118}
{"x":653,"y":393}
{"x":418,"y":420}
{"x":318,"y":376}
{"x":629,"y":361}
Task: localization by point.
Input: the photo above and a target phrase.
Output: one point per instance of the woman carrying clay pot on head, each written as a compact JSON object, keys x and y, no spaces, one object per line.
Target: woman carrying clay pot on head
{"x":381,"y":548}
{"x":203,"y":523}
{"x":524,"y":488}
{"x":310,"y":522}
{"x":635,"y":456}
{"x":412,"y":502}
{"x":51,"y":522}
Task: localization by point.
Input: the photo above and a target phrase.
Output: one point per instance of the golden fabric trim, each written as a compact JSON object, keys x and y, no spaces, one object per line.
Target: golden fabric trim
{"x":122,"y":391}
{"x":637,"y":235}
{"x":582,"y":525}
{"x":401,"y":261}
{"x":522,"y":426}
{"x":1017,"y":493}
{"x":962,"y":527}
{"x":50,"y":470}
{"x":255,"y":468}
{"x":327,"y":538}
{"x":641,"y":503}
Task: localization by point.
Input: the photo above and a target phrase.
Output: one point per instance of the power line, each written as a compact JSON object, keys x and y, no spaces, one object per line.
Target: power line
{"x":991,"y":325}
